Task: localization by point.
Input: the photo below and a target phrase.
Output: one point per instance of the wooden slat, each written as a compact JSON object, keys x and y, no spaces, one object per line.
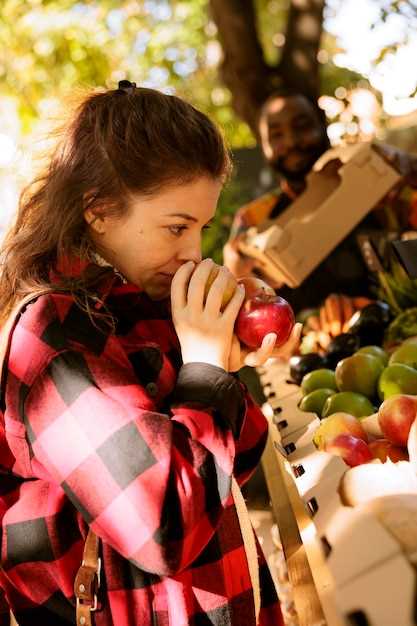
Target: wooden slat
{"x":308,"y":573}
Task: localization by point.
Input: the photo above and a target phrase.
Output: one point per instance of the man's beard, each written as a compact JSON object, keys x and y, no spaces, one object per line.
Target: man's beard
{"x":298,"y":175}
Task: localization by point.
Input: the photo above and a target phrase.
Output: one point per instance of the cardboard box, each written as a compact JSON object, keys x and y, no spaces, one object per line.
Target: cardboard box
{"x":357,"y":543}
{"x":287,"y":417}
{"x":275,"y":379}
{"x":282,"y":398}
{"x":315,"y":468}
{"x":382,"y":596}
{"x":344,"y":185}
{"x":304,"y":435}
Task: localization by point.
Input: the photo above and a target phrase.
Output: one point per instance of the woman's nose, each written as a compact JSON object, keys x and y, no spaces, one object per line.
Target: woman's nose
{"x":191,"y":252}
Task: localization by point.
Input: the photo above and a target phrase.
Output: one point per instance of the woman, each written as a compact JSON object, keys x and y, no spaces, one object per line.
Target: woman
{"x":121,"y":414}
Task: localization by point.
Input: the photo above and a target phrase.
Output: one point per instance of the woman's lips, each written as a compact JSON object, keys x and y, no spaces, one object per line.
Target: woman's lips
{"x":165,"y":277}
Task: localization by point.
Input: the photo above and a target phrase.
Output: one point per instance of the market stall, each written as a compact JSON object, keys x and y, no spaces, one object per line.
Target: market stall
{"x":345,"y":566}
{"x":342,"y":453}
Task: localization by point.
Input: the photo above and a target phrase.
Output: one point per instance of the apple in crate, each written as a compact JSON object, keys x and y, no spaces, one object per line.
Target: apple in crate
{"x":395,"y":417}
{"x":354,"y":451}
{"x":263,"y":312}
{"x":338,"y":424}
{"x":383,"y":449}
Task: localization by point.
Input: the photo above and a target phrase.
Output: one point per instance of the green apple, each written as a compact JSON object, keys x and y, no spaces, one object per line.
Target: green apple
{"x":397,"y":378}
{"x":359,"y":372}
{"x":406,"y":353}
{"x":412,"y":339}
{"x":375,"y":351}
{"x":348,"y":402}
{"x":318,"y":379}
{"x":314,"y":401}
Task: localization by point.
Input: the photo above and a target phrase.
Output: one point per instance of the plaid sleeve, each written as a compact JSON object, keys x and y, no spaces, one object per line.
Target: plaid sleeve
{"x":251,"y":442}
{"x":202,"y":385}
{"x":4,"y":610}
{"x":152,"y":486}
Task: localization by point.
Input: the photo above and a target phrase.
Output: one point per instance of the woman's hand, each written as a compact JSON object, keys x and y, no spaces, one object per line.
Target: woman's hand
{"x":241,"y":356}
{"x":204,"y":329}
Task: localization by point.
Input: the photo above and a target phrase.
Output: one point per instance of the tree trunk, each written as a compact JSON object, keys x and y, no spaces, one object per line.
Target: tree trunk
{"x":244,"y":69}
{"x":299,"y":67}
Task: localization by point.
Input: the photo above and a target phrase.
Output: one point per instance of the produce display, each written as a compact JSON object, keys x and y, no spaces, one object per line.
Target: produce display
{"x":362,"y":374}
{"x":348,"y":433}
{"x":345,"y":417}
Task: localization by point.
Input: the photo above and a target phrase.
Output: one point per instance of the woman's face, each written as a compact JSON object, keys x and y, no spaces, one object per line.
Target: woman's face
{"x":158,"y":234}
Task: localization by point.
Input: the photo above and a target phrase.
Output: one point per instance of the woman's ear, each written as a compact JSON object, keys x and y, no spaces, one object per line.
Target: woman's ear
{"x":92,"y":214}
{"x":95,"y":221}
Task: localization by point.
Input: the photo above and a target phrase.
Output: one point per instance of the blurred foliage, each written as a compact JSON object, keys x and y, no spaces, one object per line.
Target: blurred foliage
{"x":50,"y":47}
{"x":234,"y":194}
{"x":271,"y":25}
{"x":405,"y":13}
{"x":398,"y":19}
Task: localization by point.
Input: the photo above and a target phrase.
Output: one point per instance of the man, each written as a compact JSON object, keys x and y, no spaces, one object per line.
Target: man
{"x":293,"y":136}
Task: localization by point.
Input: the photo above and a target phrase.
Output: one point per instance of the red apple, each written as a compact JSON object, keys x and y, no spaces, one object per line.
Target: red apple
{"x":353,"y":451}
{"x":255,"y":286}
{"x":263,"y":312}
{"x":395,"y":416}
{"x":338,"y":424}
{"x":383,"y":449}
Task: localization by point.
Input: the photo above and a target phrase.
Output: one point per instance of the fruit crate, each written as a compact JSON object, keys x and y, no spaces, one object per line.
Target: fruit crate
{"x":344,"y":566}
{"x":278,"y":411}
{"x":283,"y":397}
{"x":275,"y":378}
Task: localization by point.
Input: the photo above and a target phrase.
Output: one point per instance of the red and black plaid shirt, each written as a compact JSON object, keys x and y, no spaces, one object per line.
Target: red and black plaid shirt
{"x":108,"y":430}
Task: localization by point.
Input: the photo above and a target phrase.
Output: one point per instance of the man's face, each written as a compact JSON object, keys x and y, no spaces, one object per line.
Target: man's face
{"x":292,"y":136}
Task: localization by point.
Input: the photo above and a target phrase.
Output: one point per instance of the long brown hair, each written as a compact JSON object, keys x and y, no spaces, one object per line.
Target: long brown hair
{"x":119,"y":142}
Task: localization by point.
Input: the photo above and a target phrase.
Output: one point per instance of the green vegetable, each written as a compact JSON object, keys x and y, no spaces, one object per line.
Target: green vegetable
{"x":402,"y":327}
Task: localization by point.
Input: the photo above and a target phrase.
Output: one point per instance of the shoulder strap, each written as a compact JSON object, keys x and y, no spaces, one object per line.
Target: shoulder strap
{"x":88,"y":577}
{"x":87,"y":581}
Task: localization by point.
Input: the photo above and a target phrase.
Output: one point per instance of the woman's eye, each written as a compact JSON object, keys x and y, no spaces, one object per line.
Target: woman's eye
{"x":177,"y":230}
{"x":207,"y":226}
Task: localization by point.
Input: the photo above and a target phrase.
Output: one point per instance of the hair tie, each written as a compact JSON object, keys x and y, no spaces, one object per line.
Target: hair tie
{"x":127,"y":86}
